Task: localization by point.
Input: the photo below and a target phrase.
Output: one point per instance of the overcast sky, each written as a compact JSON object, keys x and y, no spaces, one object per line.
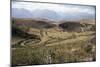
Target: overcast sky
{"x":52,"y":11}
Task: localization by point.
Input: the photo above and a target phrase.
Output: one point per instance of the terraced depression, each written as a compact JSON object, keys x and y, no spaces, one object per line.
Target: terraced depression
{"x":35,"y":45}
{"x":47,"y":33}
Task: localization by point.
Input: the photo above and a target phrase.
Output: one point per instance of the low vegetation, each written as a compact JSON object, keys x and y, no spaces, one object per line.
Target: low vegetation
{"x":52,"y":45}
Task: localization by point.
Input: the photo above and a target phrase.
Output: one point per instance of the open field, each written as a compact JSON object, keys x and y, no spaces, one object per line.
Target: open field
{"x":52,"y":44}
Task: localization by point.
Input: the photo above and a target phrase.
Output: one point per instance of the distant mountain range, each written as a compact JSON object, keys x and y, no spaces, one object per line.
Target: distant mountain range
{"x":49,"y":14}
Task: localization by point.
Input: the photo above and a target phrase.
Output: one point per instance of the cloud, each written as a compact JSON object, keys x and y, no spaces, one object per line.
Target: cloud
{"x":58,"y":8}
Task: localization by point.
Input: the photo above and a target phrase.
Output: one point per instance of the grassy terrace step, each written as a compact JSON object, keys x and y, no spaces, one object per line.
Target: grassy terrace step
{"x":25,"y":42}
{"x":65,"y":41}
